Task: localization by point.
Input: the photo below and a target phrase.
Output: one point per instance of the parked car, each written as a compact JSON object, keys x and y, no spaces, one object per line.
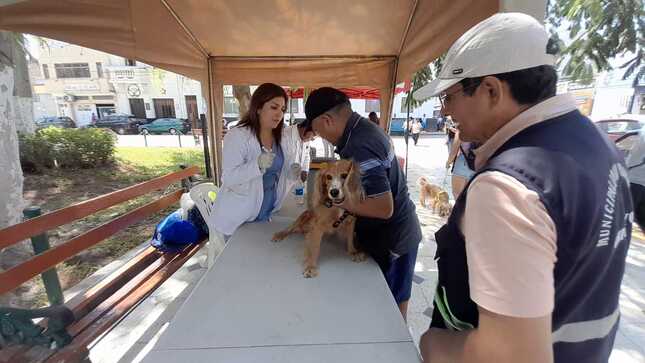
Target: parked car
{"x":626,"y":142}
{"x":57,"y":121}
{"x":617,"y":127}
{"x":172,"y":126}
{"x":121,"y":124}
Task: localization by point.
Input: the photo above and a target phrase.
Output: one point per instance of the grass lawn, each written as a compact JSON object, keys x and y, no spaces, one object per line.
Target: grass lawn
{"x":56,"y":188}
{"x":151,"y":162}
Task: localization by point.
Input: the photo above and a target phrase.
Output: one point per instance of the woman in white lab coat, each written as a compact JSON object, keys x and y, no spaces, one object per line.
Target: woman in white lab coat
{"x":256,"y":163}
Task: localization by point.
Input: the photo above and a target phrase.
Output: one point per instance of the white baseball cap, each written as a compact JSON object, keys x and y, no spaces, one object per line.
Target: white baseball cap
{"x":503,"y":43}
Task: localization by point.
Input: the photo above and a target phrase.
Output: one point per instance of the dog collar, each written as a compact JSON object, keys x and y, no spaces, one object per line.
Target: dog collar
{"x":329,"y":203}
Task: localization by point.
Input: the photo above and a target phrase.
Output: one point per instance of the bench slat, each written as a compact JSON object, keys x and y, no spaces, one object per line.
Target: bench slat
{"x":22,"y":273}
{"x":38,"y":225}
{"x":74,"y":351}
{"x":9,"y":354}
{"x":83,"y":303}
{"x":106,"y":305}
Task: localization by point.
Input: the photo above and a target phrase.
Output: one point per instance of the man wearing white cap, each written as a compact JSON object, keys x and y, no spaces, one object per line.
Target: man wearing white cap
{"x":531,"y":260}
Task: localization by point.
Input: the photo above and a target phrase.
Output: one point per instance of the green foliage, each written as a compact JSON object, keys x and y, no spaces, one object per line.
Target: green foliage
{"x":421,"y":78}
{"x":599,"y":30}
{"x":66,"y":148}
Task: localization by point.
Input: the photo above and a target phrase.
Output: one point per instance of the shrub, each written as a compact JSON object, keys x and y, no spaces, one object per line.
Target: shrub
{"x":66,"y":148}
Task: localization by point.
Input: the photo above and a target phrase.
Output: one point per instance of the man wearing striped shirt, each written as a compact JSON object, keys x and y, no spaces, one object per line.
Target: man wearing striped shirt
{"x":387,"y":227}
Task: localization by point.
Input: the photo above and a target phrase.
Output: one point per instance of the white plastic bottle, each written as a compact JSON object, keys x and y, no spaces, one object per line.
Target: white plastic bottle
{"x":299,"y":192}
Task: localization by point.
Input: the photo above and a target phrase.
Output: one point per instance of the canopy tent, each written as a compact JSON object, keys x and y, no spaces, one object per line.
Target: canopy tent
{"x":311,"y":43}
{"x":358,"y":93}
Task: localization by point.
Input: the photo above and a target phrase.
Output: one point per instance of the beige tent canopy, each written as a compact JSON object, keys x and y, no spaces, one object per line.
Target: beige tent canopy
{"x":370,"y":43}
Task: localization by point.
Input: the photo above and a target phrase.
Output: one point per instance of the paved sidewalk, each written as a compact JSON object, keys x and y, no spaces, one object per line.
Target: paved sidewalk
{"x":428,"y":159}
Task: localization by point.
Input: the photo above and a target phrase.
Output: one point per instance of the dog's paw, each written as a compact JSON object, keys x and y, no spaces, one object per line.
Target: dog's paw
{"x":310,"y":271}
{"x":277,"y":237}
{"x":358,"y":256}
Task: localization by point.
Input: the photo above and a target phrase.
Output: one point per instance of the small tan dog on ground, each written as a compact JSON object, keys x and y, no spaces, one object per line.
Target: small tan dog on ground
{"x":335,"y":182}
{"x":438,"y":197}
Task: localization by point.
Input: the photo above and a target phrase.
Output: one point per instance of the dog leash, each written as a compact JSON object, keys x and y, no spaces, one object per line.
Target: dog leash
{"x":339,"y":221}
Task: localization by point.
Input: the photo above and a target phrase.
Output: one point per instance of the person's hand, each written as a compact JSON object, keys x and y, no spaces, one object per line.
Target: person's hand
{"x":303,"y":175}
{"x":295,"y":171}
{"x":346,"y":205}
{"x":448,"y":163}
{"x":265,"y":160}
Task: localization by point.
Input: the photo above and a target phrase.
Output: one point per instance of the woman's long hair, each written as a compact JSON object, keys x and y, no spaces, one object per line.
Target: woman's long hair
{"x":263,"y":94}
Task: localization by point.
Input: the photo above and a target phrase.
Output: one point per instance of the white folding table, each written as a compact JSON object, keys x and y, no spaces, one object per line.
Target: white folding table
{"x":254,"y":305}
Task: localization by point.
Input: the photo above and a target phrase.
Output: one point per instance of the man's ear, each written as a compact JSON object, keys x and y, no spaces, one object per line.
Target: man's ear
{"x":328,"y":121}
{"x":494,"y":90}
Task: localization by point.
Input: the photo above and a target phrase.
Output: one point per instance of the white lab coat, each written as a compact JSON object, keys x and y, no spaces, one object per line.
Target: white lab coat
{"x":240,"y":197}
{"x":297,"y":150}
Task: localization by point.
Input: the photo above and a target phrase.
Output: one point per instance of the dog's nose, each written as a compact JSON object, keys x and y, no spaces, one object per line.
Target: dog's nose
{"x":334,"y":192}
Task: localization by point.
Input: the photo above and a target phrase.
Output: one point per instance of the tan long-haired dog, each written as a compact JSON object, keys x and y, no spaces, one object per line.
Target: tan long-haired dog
{"x":336,"y":182}
{"x":439,"y":198}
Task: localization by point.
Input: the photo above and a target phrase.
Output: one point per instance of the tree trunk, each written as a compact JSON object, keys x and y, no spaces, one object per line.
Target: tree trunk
{"x":15,"y":115}
{"x":243,"y":96}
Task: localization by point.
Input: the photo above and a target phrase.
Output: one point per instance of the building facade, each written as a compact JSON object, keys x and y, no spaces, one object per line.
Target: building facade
{"x":86,"y":85}
{"x":613,"y":94}
{"x":296,"y":110}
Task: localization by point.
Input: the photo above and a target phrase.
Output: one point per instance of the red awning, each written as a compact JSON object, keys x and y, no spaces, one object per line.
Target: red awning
{"x":357,"y":93}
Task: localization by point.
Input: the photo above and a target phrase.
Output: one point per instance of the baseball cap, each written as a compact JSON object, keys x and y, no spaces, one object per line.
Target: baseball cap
{"x":320,"y":101}
{"x":505,"y":42}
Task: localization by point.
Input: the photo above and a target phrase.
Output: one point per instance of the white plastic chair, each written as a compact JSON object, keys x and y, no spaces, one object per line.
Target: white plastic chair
{"x":199,"y":194}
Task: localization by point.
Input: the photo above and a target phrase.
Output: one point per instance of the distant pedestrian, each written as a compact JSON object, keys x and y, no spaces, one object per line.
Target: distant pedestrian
{"x":415,"y":129}
{"x":374,"y":118}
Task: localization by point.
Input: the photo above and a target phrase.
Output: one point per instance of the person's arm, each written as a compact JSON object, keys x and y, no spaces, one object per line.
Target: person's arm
{"x":511,"y":254}
{"x":497,"y":339}
{"x":237,"y":166}
{"x":454,"y":150}
{"x":379,"y":202}
{"x":381,"y":206}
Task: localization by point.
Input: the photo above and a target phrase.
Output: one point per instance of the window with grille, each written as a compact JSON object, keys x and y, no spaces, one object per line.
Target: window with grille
{"x":72,"y":70}
{"x":164,"y":107}
{"x":231,"y":105}
{"x":295,"y":106}
{"x":45,"y":71}
{"x":372,"y":105}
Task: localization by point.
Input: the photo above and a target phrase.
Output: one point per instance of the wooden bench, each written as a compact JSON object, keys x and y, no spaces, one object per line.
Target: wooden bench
{"x":90,"y":314}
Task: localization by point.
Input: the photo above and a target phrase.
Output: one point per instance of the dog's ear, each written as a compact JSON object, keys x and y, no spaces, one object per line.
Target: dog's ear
{"x":320,"y":188}
{"x":354,"y":185}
